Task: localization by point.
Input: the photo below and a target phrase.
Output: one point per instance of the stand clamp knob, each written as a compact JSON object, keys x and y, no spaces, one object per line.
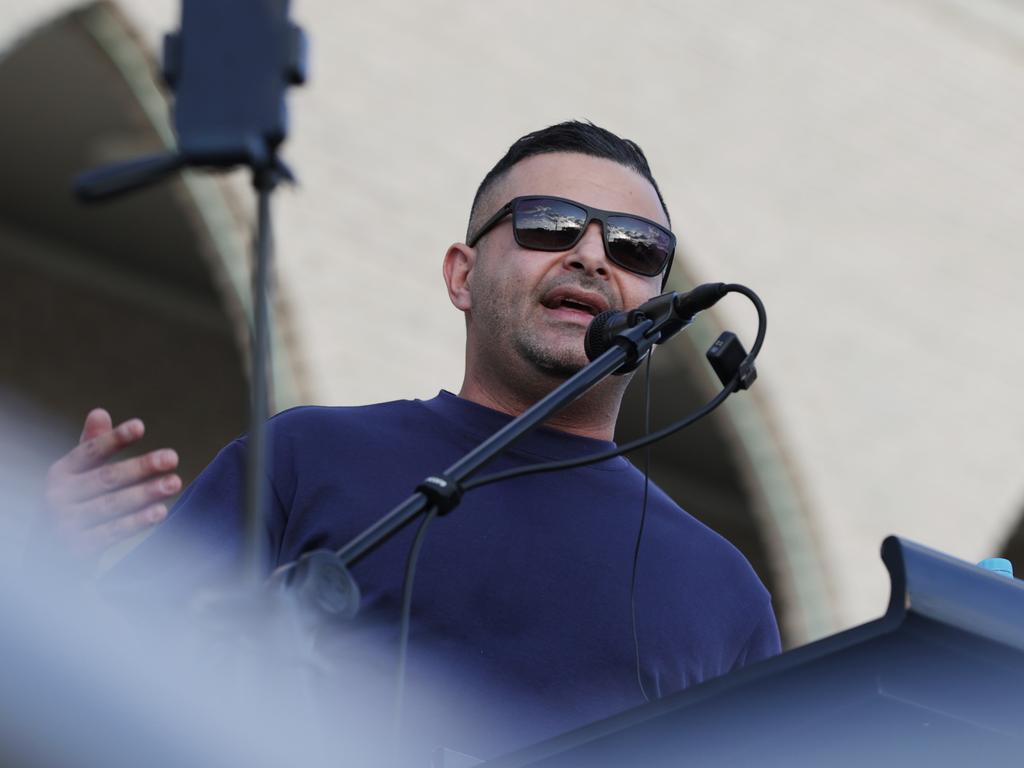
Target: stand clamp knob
{"x":443,"y":492}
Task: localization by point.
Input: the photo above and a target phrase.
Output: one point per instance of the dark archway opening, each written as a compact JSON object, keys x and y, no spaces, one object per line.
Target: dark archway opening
{"x":1013,"y":549}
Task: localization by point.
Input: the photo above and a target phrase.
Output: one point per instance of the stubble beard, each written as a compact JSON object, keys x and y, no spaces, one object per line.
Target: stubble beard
{"x":529,"y":357}
{"x":556,"y":361}
{"x":554,"y":358}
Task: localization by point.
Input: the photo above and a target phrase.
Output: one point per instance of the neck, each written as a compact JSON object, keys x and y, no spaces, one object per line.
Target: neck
{"x":592,"y":415}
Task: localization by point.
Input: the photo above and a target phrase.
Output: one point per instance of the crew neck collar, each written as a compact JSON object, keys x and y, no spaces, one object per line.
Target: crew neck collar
{"x":480,"y":422}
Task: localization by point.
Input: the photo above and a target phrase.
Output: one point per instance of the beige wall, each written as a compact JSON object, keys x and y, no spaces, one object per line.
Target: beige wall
{"x":858,"y":163}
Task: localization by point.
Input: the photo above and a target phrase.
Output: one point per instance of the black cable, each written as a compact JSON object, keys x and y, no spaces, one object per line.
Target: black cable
{"x":762,"y":318}
{"x":643,"y":520}
{"x":594,"y":458}
{"x":403,"y":632}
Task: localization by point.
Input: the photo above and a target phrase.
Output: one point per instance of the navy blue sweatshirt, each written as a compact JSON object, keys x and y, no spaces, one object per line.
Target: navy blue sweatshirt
{"x":522,"y":594}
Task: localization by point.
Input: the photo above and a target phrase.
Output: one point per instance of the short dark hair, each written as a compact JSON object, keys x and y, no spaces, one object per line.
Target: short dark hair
{"x":584,"y":138}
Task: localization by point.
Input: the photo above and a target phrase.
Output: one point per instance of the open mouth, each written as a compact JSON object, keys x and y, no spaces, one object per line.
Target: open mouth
{"x":574,"y":304}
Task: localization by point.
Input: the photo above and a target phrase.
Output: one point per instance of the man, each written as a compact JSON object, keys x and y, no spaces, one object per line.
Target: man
{"x":524,"y":590}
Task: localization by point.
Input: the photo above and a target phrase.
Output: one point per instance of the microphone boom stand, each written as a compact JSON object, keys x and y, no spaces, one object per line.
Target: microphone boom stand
{"x":321,"y":581}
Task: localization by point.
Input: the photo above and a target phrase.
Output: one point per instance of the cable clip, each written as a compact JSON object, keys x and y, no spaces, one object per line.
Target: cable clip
{"x":728,"y":357}
{"x":443,"y":492}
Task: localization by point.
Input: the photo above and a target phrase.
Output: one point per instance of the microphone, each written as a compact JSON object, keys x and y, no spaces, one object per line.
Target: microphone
{"x":671,"y":312}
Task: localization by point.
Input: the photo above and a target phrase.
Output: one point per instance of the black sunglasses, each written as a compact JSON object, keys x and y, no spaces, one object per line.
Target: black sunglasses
{"x":555,"y":224}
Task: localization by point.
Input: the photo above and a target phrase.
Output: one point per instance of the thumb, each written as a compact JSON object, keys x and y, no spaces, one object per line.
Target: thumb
{"x":96,"y":423}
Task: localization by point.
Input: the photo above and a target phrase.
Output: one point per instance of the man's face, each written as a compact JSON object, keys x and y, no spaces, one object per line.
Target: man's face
{"x":535,"y":306}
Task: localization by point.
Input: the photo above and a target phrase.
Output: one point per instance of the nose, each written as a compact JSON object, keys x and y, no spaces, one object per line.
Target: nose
{"x":588,"y":254}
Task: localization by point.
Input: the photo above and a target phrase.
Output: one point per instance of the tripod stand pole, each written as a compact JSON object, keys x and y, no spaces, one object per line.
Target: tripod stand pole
{"x":253,"y":554}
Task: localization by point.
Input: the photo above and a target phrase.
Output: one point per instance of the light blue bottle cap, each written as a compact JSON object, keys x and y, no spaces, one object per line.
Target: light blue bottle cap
{"x":999,"y":565}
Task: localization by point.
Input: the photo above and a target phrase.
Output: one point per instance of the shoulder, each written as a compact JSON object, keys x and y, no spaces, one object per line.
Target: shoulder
{"x":701,"y":568}
{"x":679,"y":538}
{"x":311,"y":416}
{"x":313,"y":422}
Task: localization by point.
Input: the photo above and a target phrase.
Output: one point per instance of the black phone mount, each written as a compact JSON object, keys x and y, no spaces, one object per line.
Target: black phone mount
{"x":229,"y":68}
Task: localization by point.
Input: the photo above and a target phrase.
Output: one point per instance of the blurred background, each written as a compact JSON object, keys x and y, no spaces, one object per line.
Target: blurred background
{"x":859,"y":164}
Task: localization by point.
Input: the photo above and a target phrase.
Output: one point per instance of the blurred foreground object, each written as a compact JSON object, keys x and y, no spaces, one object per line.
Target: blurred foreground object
{"x":85,"y":685}
{"x":935,"y":681}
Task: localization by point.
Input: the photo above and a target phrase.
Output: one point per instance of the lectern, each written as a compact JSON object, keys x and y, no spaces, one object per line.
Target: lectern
{"x":937,"y":681}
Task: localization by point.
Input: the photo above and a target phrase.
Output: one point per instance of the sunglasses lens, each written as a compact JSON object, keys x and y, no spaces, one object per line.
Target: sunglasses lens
{"x":637,"y":245}
{"x":548,"y":225}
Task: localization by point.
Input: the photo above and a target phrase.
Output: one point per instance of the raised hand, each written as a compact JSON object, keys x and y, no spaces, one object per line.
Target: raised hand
{"x":93,"y":502}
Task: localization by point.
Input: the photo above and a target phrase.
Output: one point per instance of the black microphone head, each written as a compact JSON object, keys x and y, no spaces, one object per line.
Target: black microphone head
{"x":598,"y":340}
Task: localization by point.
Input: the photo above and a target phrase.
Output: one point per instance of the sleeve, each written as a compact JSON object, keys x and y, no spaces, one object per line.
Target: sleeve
{"x":200,"y":543}
{"x":763,"y":641}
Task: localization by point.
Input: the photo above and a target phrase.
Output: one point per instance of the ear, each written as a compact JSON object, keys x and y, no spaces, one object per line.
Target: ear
{"x":458,"y":265}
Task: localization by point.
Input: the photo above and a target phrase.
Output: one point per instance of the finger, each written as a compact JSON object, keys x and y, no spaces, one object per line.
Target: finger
{"x":126,"y":501}
{"x":97,"y":422}
{"x":113,"y":477}
{"x":97,"y":539}
{"x":97,"y":450}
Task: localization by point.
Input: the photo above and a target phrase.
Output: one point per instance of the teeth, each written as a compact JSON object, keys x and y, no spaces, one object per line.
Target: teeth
{"x":572,"y":304}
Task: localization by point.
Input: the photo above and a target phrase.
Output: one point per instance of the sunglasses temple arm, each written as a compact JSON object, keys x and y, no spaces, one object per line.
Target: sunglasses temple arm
{"x":488,"y":225}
